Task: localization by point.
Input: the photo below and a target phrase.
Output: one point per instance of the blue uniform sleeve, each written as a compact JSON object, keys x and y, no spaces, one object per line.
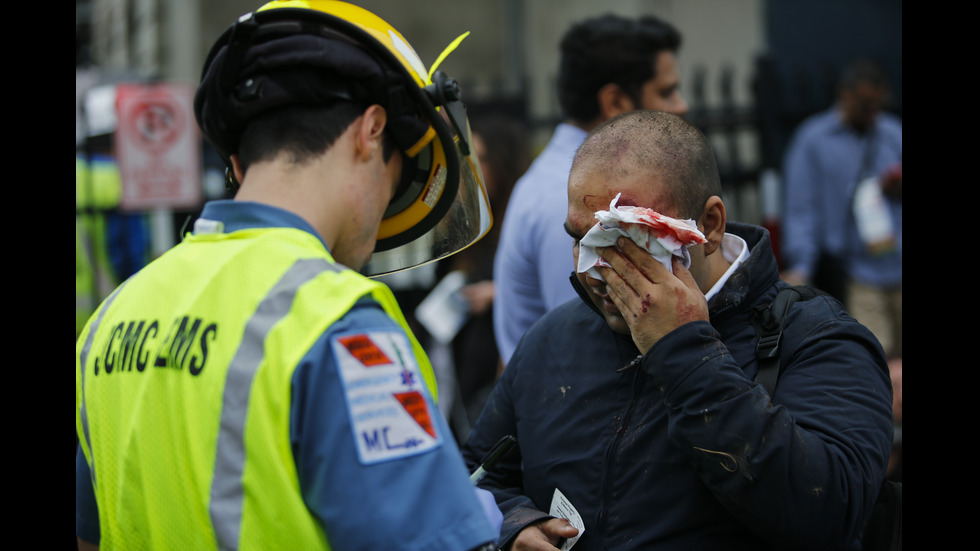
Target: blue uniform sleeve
{"x":379,"y":471}
{"x":86,"y":509}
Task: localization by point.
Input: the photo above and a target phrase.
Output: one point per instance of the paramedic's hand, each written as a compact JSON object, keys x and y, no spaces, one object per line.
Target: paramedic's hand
{"x":544,"y":536}
{"x":490,"y":508}
{"x":652,"y":301}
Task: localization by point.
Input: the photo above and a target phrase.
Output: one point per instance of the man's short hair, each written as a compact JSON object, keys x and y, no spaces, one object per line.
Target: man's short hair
{"x":609,"y":49}
{"x":659,"y":143}
{"x":300,"y":131}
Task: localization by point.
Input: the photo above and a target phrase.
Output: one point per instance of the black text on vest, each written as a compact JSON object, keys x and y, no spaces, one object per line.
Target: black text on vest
{"x":133,"y":345}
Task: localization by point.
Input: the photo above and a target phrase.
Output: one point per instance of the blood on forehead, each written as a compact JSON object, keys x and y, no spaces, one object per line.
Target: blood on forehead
{"x":660,"y":201}
{"x":612,"y":163}
{"x":593,"y":184}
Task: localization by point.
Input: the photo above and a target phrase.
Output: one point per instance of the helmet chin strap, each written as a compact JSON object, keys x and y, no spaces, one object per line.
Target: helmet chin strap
{"x":231,"y":183}
{"x":445,"y":91}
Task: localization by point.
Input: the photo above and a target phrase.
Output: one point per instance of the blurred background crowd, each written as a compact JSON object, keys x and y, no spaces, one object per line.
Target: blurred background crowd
{"x":752,"y":71}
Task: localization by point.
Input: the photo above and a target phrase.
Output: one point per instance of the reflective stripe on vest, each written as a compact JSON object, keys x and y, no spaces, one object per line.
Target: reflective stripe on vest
{"x":98,"y":189}
{"x":227,"y":493}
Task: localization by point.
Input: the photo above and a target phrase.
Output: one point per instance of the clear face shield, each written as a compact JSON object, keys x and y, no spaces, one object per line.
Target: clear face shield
{"x":447,"y":208}
{"x":445,"y":217}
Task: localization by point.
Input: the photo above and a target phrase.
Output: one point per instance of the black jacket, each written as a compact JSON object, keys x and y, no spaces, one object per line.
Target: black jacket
{"x":681,"y":449}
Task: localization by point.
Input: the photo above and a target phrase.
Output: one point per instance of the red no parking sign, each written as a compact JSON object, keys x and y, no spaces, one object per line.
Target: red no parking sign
{"x":157,"y":146}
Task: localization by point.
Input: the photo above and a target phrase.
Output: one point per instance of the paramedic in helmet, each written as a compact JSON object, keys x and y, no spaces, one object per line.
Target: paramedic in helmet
{"x":252,"y":388}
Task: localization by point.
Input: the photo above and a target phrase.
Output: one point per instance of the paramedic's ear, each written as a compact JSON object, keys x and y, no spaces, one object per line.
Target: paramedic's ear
{"x":370,"y":131}
{"x":712,"y":223}
{"x":236,"y":167}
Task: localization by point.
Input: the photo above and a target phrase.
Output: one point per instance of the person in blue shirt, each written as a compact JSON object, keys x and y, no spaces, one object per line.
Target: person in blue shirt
{"x":609,"y":65}
{"x":831,"y":154}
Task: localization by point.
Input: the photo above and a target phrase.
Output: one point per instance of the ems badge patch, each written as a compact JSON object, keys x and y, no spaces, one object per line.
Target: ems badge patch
{"x":386,"y":398}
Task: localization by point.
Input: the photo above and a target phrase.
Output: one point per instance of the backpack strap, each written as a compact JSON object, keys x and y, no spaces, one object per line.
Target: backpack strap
{"x":883,"y":532}
{"x":769,"y":322}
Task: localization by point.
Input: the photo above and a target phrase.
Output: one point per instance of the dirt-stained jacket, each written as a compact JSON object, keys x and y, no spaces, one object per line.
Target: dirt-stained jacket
{"x":680,"y":449}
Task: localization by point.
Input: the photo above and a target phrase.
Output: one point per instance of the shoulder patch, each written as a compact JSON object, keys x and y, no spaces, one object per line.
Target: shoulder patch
{"x":386,"y":398}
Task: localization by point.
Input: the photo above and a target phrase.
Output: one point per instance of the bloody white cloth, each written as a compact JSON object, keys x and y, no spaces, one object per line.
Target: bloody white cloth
{"x":662,"y":236}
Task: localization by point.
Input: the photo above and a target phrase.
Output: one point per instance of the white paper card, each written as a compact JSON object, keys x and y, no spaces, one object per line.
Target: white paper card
{"x":444,"y":310}
{"x":562,"y":508}
{"x":874,"y":222}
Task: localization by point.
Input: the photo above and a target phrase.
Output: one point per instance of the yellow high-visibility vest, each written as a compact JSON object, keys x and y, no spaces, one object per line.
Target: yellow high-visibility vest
{"x":182,"y":390}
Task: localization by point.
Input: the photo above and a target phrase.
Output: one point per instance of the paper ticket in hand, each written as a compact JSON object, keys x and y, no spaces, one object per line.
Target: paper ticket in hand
{"x":561,"y":507}
{"x":662,"y":236}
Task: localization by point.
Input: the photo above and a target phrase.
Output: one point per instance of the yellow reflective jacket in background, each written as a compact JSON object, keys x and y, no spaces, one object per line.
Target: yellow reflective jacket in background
{"x":98,"y":188}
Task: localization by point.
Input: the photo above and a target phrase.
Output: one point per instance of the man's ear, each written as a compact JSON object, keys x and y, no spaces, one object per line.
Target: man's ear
{"x":712,"y":223}
{"x":370,"y":130}
{"x":613,"y":100}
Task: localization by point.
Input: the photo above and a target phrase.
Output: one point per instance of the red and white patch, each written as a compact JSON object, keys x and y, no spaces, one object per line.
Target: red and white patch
{"x":390,"y":413}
